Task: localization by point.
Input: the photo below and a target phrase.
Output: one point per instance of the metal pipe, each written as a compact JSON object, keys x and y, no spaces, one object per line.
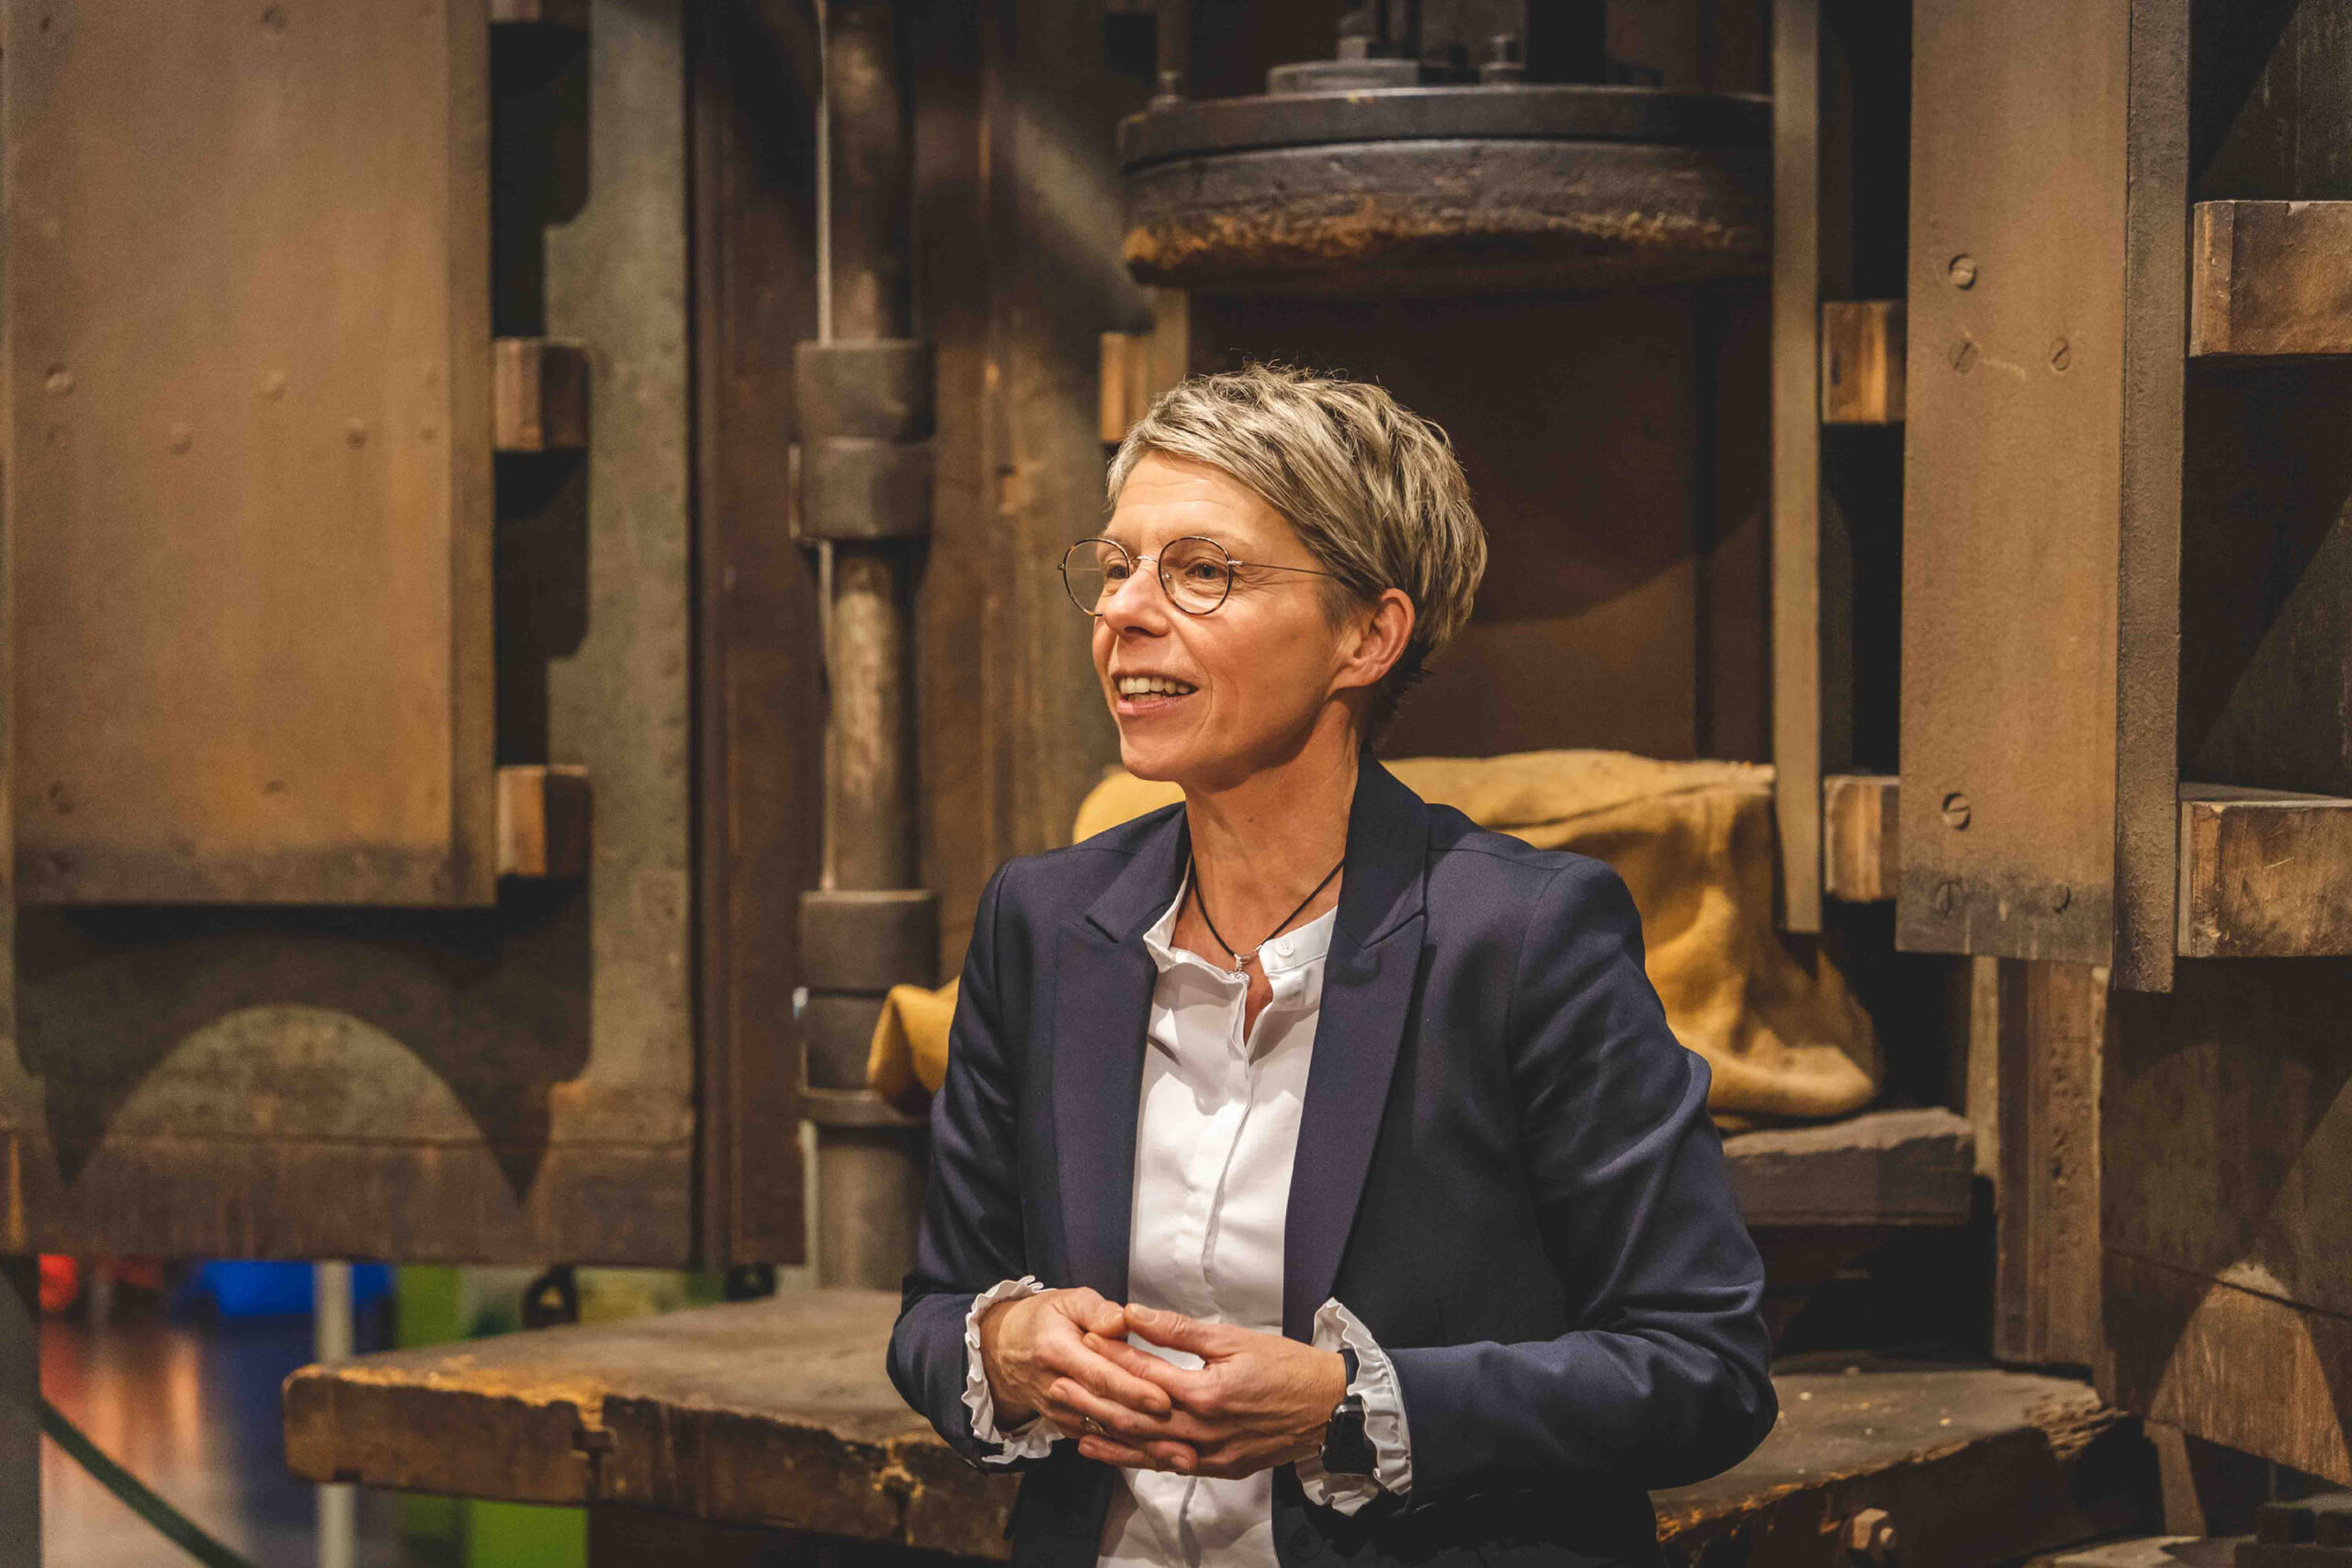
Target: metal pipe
{"x":330,"y":1341}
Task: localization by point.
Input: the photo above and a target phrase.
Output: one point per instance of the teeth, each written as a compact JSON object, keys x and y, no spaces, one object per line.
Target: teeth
{"x":1151,"y":685}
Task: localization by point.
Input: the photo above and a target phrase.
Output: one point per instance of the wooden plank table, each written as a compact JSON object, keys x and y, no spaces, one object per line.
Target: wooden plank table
{"x":779,"y":1414}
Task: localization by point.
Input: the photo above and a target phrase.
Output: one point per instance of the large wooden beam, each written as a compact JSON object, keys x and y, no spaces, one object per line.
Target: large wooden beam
{"x":2271,"y":278}
{"x":1887,"y":1168}
{"x":2264,"y":873}
{"x":1796,"y":456}
{"x":777,"y":1412}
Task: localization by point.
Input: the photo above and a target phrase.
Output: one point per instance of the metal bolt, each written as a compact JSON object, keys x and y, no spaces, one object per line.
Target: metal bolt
{"x":1962,"y":272}
{"x":1963,"y":355}
{"x":2059,"y":897}
{"x":1955,"y":810}
{"x":1947,"y":896}
{"x":1870,"y":1535}
{"x":2061,"y":354}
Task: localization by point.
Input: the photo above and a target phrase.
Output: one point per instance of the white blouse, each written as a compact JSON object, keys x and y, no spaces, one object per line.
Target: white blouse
{"x":1217,"y":1132}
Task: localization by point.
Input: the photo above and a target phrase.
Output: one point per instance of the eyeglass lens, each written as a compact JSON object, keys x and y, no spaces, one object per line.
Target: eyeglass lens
{"x":1193,"y":573}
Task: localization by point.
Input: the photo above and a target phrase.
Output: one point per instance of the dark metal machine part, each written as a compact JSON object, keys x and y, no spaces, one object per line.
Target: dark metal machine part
{"x":1383,"y":172}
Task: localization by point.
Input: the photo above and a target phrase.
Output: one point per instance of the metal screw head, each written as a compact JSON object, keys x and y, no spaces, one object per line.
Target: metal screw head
{"x":1947,"y":896}
{"x":1963,"y":355}
{"x":1955,"y":810}
{"x":1962,"y":272}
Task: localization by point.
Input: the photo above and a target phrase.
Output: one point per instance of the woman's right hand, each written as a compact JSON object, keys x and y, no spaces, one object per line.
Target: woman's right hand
{"x":1033,"y":1351}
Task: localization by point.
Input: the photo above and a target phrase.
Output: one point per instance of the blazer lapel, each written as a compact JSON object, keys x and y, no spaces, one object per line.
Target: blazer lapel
{"x":1103,"y":979}
{"x":1368,"y":982}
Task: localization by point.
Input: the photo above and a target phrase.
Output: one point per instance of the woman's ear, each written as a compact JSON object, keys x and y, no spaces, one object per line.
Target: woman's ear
{"x":1376,"y":638}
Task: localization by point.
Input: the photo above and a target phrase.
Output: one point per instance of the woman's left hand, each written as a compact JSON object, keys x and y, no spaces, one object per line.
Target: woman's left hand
{"x":1256,"y":1400}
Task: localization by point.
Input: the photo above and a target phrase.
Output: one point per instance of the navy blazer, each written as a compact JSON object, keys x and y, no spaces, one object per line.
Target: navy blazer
{"x":1505,"y":1168}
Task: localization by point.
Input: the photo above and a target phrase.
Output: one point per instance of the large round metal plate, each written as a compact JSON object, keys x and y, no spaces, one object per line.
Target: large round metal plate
{"x":1578,"y":113}
{"x":1458,"y":216}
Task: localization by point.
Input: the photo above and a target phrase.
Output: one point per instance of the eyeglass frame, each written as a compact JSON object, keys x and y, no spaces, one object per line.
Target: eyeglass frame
{"x":1232,"y":566}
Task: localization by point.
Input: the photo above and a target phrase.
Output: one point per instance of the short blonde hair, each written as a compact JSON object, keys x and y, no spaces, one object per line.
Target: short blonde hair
{"x":1373,"y":490}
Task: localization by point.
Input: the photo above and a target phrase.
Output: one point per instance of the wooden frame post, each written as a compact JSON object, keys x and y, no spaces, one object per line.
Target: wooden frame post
{"x":1796,"y":456}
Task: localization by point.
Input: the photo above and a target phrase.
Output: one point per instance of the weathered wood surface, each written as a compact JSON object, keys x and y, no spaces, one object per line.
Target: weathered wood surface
{"x":1861,"y":362}
{"x":778,"y":1413}
{"x":1861,"y":850}
{"x":539,"y":395}
{"x":543,"y":819}
{"x":1797,"y":696}
{"x":1879,"y":1169}
{"x":2270,"y":278}
{"x":250,"y":467}
{"x":2050,"y":1024}
{"x":2264,"y":873}
{"x":2035,"y":481}
{"x":2236,"y":1366}
{"x":512,"y":1083}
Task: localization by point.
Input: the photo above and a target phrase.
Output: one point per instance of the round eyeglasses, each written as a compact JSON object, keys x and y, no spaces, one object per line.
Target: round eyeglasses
{"x":1195,"y":574}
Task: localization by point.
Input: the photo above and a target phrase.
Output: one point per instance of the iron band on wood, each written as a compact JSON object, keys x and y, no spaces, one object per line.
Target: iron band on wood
{"x":868,"y":941}
{"x":853,"y":489}
{"x":880,"y":390}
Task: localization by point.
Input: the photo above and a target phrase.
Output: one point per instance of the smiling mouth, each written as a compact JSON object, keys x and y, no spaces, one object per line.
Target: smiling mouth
{"x":1151,"y":689}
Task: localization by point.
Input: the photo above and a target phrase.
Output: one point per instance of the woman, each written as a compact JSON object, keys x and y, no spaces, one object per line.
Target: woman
{"x":1316,"y":1174}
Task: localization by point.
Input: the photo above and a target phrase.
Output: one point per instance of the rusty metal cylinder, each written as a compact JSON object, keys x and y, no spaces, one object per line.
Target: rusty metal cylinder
{"x":865,"y":402}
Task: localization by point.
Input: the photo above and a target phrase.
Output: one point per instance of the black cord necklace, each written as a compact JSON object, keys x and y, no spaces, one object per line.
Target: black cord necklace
{"x":1192,"y":866}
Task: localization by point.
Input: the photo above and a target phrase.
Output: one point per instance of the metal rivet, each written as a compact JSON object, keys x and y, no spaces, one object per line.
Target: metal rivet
{"x":1963,"y":355}
{"x":2061,"y":354}
{"x":273,"y":385}
{"x":60,"y":383}
{"x":1955,"y":810}
{"x":1947,"y":896}
{"x":183,"y":437}
{"x":1962,"y":272}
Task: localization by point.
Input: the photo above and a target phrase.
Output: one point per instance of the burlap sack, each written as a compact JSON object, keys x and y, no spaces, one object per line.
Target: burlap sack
{"x":1693,"y":842}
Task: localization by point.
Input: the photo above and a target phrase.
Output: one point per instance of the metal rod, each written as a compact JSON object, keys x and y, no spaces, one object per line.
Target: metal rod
{"x":330,"y":1341}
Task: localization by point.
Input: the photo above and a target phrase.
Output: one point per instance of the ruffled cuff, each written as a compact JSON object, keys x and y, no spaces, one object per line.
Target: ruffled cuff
{"x":1384,"y":1418}
{"x":1033,"y":1440}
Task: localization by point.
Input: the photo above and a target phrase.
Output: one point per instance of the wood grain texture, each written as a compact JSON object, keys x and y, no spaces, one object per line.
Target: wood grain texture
{"x":2148,"y":577}
{"x":2264,"y":873}
{"x":777,"y":1412}
{"x":758,"y":664}
{"x":251,"y":475}
{"x":2052,"y":1023}
{"x":2013,"y":458}
{"x":2226,"y":1128}
{"x":2271,"y":278}
{"x":1884,"y":1167}
{"x":1862,"y":853}
{"x":509,"y":1083}
{"x":539,"y":395}
{"x":2234,"y":1366}
{"x":543,"y":820}
{"x":1797,"y":699}
{"x":1861,"y":362}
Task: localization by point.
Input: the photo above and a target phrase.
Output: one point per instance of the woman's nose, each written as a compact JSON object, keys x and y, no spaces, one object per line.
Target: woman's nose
{"x":1137,"y":602}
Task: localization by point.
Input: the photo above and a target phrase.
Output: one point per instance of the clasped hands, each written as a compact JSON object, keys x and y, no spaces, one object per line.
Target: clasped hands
{"x":1255,"y":1402}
